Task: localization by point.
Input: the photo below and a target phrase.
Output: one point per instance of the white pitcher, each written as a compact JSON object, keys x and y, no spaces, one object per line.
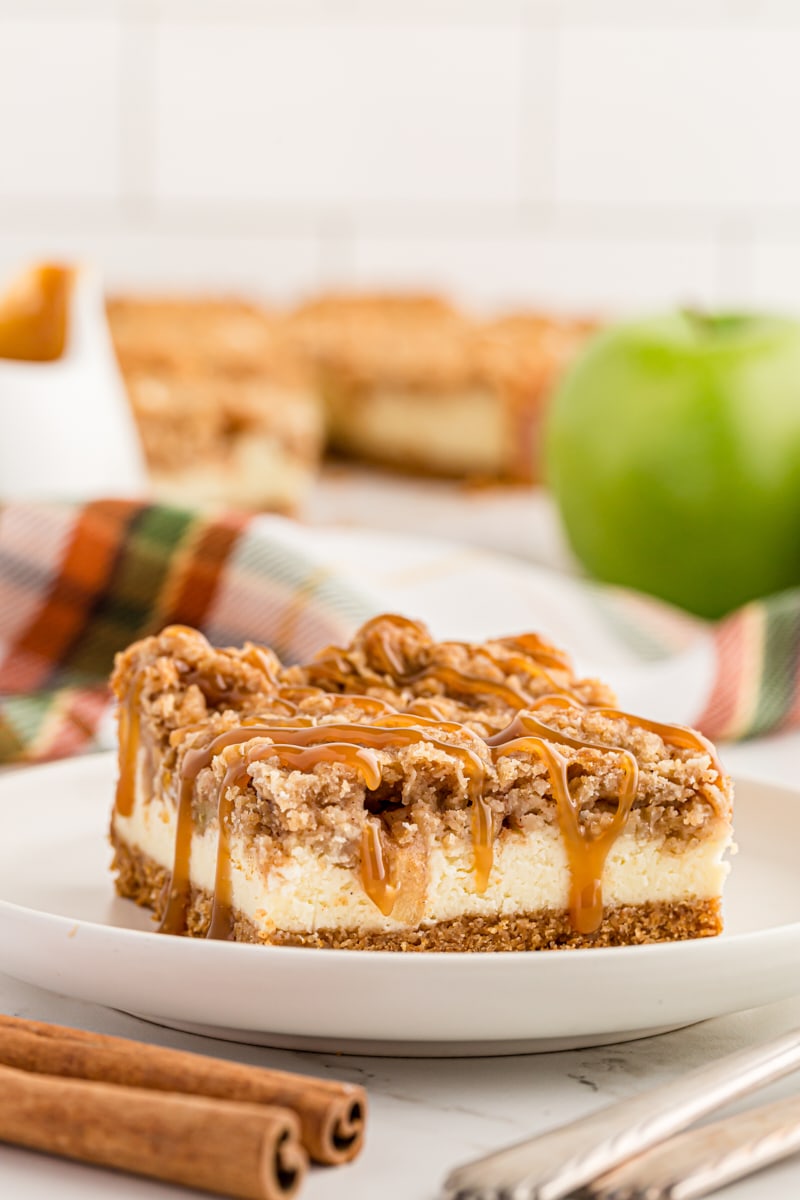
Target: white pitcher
{"x":66,"y":428}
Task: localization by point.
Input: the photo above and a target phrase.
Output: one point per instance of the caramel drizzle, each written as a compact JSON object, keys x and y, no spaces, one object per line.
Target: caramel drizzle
{"x":428,"y":709}
{"x":533,"y":646}
{"x":398,"y":720}
{"x":527,"y":650}
{"x":331,"y":743}
{"x":196,"y":760}
{"x":586,"y":853}
{"x":218,"y":690}
{"x":375,"y":638}
{"x":527,"y":665}
{"x":519,"y":662}
{"x":377,"y":874}
{"x":680,"y":736}
{"x":375,"y":635}
{"x":672,"y":735}
{"x":482,"y":830}
{"x":481,"y":821}
{"x":256,"y":656}
{"x":129,"y":736}
{"x":176,"y":630}
{"x":524,"y":724}
{"x":370,"y":705}
{"x":471,"y":685}
{"x":237,"y":773}
{"x":559,"y":699}
{"x":333,"y":665}
{"x":294,"y":693}
{"x":454,"y":682}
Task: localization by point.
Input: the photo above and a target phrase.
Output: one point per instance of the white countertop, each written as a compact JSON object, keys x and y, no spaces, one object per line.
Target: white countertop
{"x":426,"y":1116}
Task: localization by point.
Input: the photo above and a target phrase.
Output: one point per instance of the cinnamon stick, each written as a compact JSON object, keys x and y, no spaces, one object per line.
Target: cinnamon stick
{"x":242,"y":1150}
{"x":331,"y":1114}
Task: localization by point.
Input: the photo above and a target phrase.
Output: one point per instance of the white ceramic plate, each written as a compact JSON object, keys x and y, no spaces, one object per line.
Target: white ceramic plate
{"x":63,"y":928}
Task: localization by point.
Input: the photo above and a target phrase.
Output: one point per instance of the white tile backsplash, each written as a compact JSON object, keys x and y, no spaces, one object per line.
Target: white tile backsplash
{"x":657,"y":119}
{"x":338,"y":114}
{"x":614,"y":155}
{"x":649,"y":14}
{"x":549,"y":268}
{"x":776,"y":274}
{"x":273,"y":267}
{"x":59,"y":100}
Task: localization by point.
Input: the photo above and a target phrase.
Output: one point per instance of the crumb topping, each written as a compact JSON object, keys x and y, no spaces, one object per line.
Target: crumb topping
{"x":204,"y":376}
{"x":184,"y":337}
{"x":421,"y":342}
{"x":190,"y":693}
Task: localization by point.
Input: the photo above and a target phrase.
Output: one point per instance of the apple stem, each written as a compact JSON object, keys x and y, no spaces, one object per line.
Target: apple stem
{"x":701,"y":322}
{"x":708,"y":325}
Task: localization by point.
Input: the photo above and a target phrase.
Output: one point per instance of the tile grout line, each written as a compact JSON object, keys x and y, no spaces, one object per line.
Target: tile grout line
{"x":137,"y":110}
{"x":545,"y":195}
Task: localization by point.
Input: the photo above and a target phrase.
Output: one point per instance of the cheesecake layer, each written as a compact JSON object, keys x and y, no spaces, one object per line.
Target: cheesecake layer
{"x":460,"y":433}
{"x":141,"y":879}
{"x":305,"y":892}
{"x":256,"y":472}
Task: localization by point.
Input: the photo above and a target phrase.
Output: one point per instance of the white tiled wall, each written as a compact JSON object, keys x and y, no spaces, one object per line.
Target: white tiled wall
{"x":578,"y":153}
{"x":654,"y":120}
{"x":337,"y":115}
{"x":60,"y":106}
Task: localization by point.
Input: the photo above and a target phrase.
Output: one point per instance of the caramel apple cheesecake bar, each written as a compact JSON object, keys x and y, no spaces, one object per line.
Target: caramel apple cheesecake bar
{"x":406,"y":794}
{"x":226,"y":411}
{"x":411,"y":382}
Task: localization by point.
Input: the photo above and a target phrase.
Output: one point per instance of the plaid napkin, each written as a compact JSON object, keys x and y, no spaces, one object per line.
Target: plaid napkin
{"x":78,"y":583}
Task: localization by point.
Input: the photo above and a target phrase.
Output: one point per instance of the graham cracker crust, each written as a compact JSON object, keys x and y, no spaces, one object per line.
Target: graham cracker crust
{"x":141,"y":879}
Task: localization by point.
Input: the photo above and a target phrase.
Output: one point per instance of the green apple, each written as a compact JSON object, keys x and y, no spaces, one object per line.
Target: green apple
{"x":673,"y":451}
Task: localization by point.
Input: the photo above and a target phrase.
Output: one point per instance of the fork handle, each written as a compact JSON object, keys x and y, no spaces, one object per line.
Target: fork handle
{"x":696,"y":1163}
{"x":558,"y":1162}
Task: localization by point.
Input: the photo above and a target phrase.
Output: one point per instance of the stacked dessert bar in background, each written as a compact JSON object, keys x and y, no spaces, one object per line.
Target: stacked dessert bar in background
{"x":226,"y":410}
{"x":234,"y":404}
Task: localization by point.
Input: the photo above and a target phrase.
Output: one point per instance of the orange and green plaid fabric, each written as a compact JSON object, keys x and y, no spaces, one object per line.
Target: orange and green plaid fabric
{"x":757,"y":683}
{"x":78,"y":583}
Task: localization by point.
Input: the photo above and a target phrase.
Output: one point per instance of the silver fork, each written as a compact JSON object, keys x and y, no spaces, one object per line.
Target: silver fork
{"x":693,"y":1164}
{"x":558,"y":1163}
